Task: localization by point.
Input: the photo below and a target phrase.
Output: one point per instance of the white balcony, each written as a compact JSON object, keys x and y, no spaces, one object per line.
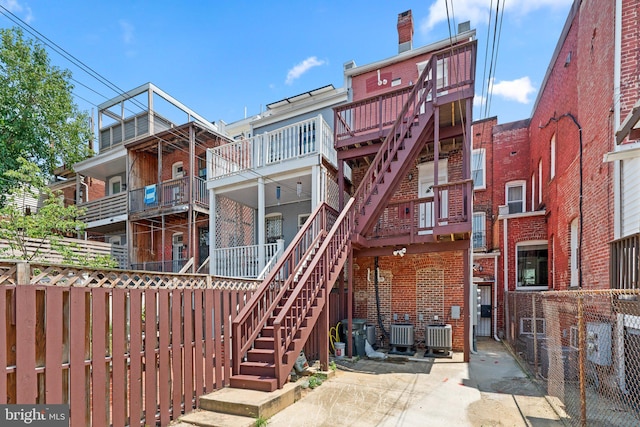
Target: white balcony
{"x":305,"y":139}
{"x":244,"y":261}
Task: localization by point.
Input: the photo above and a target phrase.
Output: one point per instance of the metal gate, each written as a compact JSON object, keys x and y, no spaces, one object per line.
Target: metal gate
{"x":484,"y":323}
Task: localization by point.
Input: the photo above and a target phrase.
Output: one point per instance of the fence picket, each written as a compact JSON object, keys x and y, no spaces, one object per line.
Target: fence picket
{"x":188,"y":348}
{"x":53,"y":356}
{"x":99,"y":389}
{"x":26,"y":379}
{"x":176,"y":350}
{"x":3,"y":339}
{"x":164,"y":362}
{"x":118,"y":374}
{"x":78,"y":394}
{"x":150,"y":362}
{"x":209,"y":361}
{"x":135,"y":368}
{"x":199,"y":361}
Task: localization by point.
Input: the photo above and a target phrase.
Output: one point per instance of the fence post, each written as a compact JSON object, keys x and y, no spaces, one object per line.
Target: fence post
{"x":23,"y":273}
{"x":582,"y":361}
{"x":535,"y":333}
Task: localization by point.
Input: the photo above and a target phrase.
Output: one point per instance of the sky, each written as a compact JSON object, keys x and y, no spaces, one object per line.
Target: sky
{"x":229,"y":59}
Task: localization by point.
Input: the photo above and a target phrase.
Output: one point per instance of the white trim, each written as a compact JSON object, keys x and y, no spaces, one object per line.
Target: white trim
{"x":111,"y":181}
{"x":628,"y":151}
{"x":177,"y":170}
{"x":483,"y":155}
{"x":573,"y":253}
{"x":512,"y":184}
{"x":539,"y":182}
{"x":552,"y":155}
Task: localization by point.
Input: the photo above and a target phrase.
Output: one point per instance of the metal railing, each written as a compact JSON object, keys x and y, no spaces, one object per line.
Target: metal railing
{"x":169,"y":193}
{"x":624,"y":262}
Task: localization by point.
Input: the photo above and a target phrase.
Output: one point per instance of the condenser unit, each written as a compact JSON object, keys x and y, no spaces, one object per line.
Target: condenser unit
{"x":438,"y":339}
{"x":401,"y":339}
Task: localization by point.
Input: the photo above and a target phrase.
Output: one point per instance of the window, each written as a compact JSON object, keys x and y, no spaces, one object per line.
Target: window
{"x":478,"y":169}
{"x":273,"y":227}
{"x":442,"y":72}
{"x":533,"y":192}
{"x":177,"y":170}
{"x":302,"y":219}
{"x":574,"y":253}
{"x":515,"y":196}
{"x":539,"y":182}
{"x":531,"y":265}
{"x":552,"y":165}
{"x":115,"y":185}
{"x":479,"y":230}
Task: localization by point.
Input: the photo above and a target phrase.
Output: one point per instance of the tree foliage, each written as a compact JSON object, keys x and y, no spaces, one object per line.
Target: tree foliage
{"x":27,"y":233}
{"x":38,"y":117}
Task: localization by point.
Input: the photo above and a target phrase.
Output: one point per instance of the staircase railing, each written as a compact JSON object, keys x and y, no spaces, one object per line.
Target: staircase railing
{"x":318,"y":277}
{"x":251,"y":319}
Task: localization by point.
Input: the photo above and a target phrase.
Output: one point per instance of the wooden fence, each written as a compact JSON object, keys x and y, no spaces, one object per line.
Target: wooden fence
{"x":119,"y":347}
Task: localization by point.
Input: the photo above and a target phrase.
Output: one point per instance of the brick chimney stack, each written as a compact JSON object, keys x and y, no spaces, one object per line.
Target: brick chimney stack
{"x":405,"y":31}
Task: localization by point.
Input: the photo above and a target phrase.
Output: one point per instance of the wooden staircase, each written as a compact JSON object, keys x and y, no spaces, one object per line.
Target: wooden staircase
{"x":272,"y":329}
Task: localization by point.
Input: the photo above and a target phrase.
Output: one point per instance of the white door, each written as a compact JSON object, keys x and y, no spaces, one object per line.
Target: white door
{"x":177,"y":171}
{"x":484,"y":323}
{"x":425,"y":189}
{"x":177,"y":249}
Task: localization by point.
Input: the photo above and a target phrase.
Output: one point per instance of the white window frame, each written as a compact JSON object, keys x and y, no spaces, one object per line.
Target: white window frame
{"x":302,"y":218}
{"x":177,"y":170}
{"x":552,"y":164}
{"x":533,"y":191}
{"x":483,"y":237}
{"x":527,"y":244}
{"x":482,"y":161}
{"x":270,"y":217}
{"x":512,"y":184}
{"x":442,"y":71}
{"x":573,"y":254}
{"x":539,"y":182}
{"x":113,"y":180}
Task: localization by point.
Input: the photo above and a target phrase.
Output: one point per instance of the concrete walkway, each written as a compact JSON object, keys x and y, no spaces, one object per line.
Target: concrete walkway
{"x":491,"y":390}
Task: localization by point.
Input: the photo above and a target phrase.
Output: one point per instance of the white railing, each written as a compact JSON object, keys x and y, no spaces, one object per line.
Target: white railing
{"x":106,"y":207}
{"x":272,"y":260}
{"x":241,"y":261}
{"x":312,"y":136}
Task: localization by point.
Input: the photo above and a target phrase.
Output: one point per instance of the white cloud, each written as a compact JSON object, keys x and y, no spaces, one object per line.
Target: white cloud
{"x":127,"y":31}
{"x":477,"y":11}
{"x":514,"y":90}
{"x":478,"y":100}
{"x":301,"y":68}
{"x":15,"y":7}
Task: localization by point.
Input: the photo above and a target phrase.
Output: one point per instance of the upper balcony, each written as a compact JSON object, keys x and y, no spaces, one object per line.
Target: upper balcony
{"x":170,"y":196}
{"x":105,"y":211}
{"x":289,"y":147}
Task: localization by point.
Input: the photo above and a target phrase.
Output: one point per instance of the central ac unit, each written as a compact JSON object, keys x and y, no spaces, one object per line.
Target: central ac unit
{"x":401,"y":339}
{"x":438,"y":339}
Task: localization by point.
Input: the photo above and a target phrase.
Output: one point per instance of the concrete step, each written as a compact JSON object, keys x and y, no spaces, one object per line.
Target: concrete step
{"x":213,"y":419}
{"x":251,"y":403}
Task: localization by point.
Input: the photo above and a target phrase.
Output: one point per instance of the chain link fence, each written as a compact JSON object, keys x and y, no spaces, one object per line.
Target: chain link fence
{"x":584,"y":347}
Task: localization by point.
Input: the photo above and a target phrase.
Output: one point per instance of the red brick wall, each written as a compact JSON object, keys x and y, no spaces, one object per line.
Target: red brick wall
{"x":630,"y":56}
{"x":424,"y":284}
{"x":482,"y":138}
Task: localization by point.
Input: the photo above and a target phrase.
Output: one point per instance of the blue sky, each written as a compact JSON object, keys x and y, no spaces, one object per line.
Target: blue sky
{"x":222,"y":58}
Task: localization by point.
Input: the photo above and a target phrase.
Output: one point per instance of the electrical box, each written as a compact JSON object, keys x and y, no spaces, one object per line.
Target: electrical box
{"x":455,"y":312}
{"x":599,"y":343}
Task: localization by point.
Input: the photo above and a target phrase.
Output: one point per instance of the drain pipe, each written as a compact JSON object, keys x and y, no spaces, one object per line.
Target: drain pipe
{"x":495,"y":299}
{"x":375,"y":284}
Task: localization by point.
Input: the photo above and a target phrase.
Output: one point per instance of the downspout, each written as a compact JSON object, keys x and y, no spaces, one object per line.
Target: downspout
{"x":495,"y":299}
{"x":375,"y":285}
{"x":580,"y":213}
{"x":505,"y":278}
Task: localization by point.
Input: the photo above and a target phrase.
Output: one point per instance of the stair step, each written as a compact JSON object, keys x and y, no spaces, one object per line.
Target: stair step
{"x":261,"y":355}
{"x":253,"y":382}
{"x":214,"y":419}
{"x":267,"y":331}
{"x":263,"y":369}
{"x":251,"y":403}
{"x":264,"y":343}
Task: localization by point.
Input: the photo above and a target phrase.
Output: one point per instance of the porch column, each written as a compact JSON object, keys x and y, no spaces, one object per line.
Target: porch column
{"x":260,"y":219}
{"x":316,"y":177}
{"x":212,"y":230}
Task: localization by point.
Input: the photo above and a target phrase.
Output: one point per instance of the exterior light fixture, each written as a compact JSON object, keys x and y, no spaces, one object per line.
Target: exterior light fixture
{"x":278,"y":193}
{"x":299,"y":189}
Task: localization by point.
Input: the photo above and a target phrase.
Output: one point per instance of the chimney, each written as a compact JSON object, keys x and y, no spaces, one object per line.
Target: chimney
{"x":405,"y":31}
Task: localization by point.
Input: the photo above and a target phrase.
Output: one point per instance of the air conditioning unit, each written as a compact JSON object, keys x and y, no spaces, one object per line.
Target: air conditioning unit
{"x":401,"y":339}
{"x":438,"y":339}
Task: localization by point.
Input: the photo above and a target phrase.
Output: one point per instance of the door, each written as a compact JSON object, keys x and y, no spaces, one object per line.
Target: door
{"x":484,"y":323}
{"x":425,"y":189}
{"x":177,"y":171}
{"x":177,"y":252}
{"x":203,"y":245}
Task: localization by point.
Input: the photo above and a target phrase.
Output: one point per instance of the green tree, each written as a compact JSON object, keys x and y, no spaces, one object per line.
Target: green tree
{"x":27,"y":233}
{"x":38,"y":117}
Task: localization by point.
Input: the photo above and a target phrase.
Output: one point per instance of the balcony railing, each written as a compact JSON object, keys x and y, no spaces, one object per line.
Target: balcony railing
{"x":104,"y":208}
{"x":131,"y":128}
{"x":313,"y":136}
{"x":170,"y":193}
{"x":624,"y":262}
{"x":169,"y":266}
{"x":371,"y":118}
{"x":426,"y":215}
{"x":242,"y":261}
